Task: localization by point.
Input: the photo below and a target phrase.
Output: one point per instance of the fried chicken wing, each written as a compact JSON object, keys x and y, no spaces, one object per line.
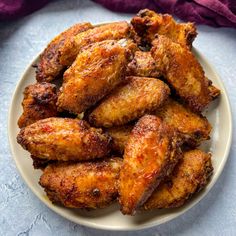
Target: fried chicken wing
{"x":188,"y":177}
{"x":49,"y":65}
{"x":194,"y":128}
{"x":148,"y":23}
{"x":120,"y":136}
{"x":94,"y":73}
{"x":64,"y":139}
{"x":88,"y":185}
{"x":143,"y":65}
{"x":128,"y":102}
{"x":114,"y":31}
{"x":150,"y":154}
{"x":183,"y":72}
{"x":39,"y":102}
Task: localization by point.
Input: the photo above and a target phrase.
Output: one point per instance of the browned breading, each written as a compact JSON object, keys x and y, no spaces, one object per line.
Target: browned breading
{"x":151,"y":153}
{"x":130,"y":101}
{"x":49,"y":65}
{"x":148,"y":23}
{"x":214,"y":92}
{"x":143,"y":65}
{"x":39,"y":102}
{"x":94,"y":73}
{"x":39,"y":163}
{"x":120,"y":136}
{"x":193,"y":127}
{"x":130,"y":45}
{"x":183,"y":72}
{"x":82,"y":185}
{"x":114,"y":31}
{"x":64,"y":139}
{"x":188,"y":177}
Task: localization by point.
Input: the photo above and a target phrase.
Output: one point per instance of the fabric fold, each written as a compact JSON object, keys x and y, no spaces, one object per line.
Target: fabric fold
{"x":217,"y":13}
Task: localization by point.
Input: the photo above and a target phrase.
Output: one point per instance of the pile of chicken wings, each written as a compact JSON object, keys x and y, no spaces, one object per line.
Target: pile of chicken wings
{"x":115,"y":115}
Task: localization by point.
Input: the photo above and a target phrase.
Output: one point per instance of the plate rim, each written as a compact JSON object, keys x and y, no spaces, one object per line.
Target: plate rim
{"x":89,"y":224}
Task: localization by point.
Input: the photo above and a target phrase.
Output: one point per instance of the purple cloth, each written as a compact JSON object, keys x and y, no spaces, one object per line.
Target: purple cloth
{"x":211,"y":12}
{"x":13,"y":9}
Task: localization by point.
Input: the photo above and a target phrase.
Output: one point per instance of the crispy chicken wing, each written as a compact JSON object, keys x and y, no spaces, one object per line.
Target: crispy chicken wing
{"x":148,"y":23}
{"x":39,"y":102}
{"x":49,"y":65}
{"x":143,"y":65}
{"x":64,"y":139}
{"x":188,"y":177}
{"x":128,"y":102}
{"x":194,"y":128}
{"x":94,"y":73}
{"x":183,"y":72}
{"x":82,"y":185}
{"x":120,"y":136}
{"x":150,"y":154}
{"x":115,"y":31}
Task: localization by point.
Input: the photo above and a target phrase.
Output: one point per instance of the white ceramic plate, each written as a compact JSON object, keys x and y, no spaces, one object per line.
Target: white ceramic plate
{"x":219,"y":115}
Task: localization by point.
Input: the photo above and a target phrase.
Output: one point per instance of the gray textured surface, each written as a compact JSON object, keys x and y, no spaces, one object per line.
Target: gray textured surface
{"x":21,"y":212}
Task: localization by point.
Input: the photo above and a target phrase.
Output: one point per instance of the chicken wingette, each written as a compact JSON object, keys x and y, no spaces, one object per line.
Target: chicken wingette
{"x":49,"y":66}
{"x":151,"y":153}
{"x":190,"y":175}
{"x":148,"y":23}
{"x":114,"y":31}
{"x":143,"y":65}
{"x":64,"y":139}
{"x":120,"y":136}
{"x":194,"y":128}
{"x":130,"y":101}
{"x":183,"y":72}
{"x":95,"y":72}
{"x":87,"y":185}
{"x":39,"y":102}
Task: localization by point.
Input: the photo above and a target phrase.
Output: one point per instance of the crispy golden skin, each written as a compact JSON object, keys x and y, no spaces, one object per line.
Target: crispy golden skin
{"x":130,"y":101}
{"x":120,"y":136}
{"x":130,"y":45}
{"x":143,"y":65}
{"x":148,"y":23}
{"x":114,"y":31}
{"x":194,"y":128}
{"x":183,"y":72}
{"x":188,"y":177}
{"x":94,"y":73}
{"x":39,"y":102}
{"x":82,"y":185}
{"x":64,"y":139}
{"x":150,"y":154}
{"x":49,"y":65}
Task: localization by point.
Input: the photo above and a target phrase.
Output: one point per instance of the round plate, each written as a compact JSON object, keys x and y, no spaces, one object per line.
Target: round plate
{"x":219,"y":115}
